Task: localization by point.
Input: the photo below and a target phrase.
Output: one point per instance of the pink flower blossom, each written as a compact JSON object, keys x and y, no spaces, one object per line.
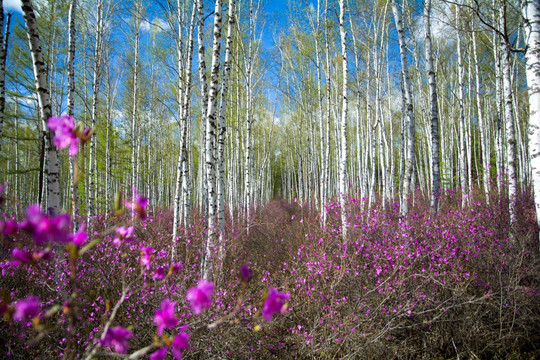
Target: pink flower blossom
{"x":199,"y":297}
{"x":44,"y":228}
{"x":65,"y":133}
{"x":176,"y":268}
{"x":123,"y":234}
{"x":117,"y":337}
{"x":27,"y":308}
{"x":138,"y":204}
{"x":80,"y":237}
{"x":164,"y":317}
{"x":180,"y":342}
{"x":275,"y":303}
{"x":245,"y":273}
{"x":159,"y":354}
{"x":160,"y":273}
{"x":8,"y":227}
{"x":146,"y":257}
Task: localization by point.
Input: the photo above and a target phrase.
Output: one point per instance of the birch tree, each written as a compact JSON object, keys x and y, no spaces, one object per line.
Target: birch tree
{"x":433,"y":110}
{"x":4,"y":41}
{"x":531,"y":14}
{"x":206,"y":269}
{"x":344,"y":112}
{"x":71,"y":107}
{"x":407,"y":95}
{"x":44,"y":103}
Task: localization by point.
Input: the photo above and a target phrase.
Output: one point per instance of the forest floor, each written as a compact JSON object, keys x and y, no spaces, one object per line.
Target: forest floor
{"x":463,"y":284}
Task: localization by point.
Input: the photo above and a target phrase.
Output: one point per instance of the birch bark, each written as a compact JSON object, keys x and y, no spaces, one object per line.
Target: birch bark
{"x":531,"y":13}
{"x":434,"y":112}
{"x":45,"y":110}
{"x":410,"y":158}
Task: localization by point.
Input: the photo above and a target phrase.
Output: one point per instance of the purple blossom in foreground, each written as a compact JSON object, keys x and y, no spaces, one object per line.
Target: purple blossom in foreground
{"x":20,"y":257}
{"x":44,"y":228}
{"x":26,"y":308}
{"x":164,"y":317}
{"x":159,"y":354}
{"x":9,"y":227}
{"x":65,"y":133}
{"x":160,"y":273}
{"x":146,"y":257}
{"x":80,"y":237}
{"x":117,"y":337}
{"x":199,"y":297}
{"x":177,"y":267}
{"x":275,"y":303}
{"x":245,"y":273}
{"x":138,"y":204}
{"x":123,"y":234}
{"x":180,"y":342}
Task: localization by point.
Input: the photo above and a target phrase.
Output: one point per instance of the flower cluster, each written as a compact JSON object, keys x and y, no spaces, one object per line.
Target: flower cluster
{"x":67,"y":134}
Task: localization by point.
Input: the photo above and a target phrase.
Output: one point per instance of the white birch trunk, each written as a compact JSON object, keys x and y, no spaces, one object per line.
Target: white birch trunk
{"x":4,"y":41}
{"x":482,"y":127}
{"x":90,"y":209}
{"x":510,"y":132}
{"x":134,"y":106}
{"x":410,"y":159}
{"x":434,"y":111}
{"x":206,"y":269}
{"x":45,"y":110}
{"x":531,"y":13}
{"x":70,"y":110}
{"x":222,"y":130}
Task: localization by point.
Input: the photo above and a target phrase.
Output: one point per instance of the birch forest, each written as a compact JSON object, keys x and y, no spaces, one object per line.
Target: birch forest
{"x":258,"y":179}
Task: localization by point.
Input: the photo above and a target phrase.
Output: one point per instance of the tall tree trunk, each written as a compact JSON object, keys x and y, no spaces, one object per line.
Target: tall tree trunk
{"x":510,"y":132}
{"x":410,"y":160}
{"x":206,"y":270}
{"x":482,"y":127}
{"x":45,"y":110}
{"x":434,"y":112}
{"x":90,"y":209}
{"x":462,"y":150}
{"x":4,"y":41}
{"x":531,"y":13}
{"x":222,"y":129}
{"x":344,"y":113}
{"x":134,"y":106}
{"x":71,"y":110}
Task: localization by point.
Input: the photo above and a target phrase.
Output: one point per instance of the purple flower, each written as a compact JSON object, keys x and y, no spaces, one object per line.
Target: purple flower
{"x":21,"y":257}
{"x":27,"y":308}
{"x":159,"y":354}
{"x":245,"y":273}
{"x":160,"y":273}
{"x":43,"y":228}
{"x":123,"y":233}
{"x":175,"y":268}
{"x":138,"y":204}
{"x":80,"y":237}
{"x":180,"y":342}
{"x":275,"y":303}
{"x":117,"y":337}
{"x":164,"y":317}
{"x":65,"y":133}
{"x":9,"y":227}
{"x":199,"y":297}
{"x":146,"y":256}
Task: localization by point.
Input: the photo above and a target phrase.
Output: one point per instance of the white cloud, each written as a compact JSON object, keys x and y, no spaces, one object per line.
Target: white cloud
{"x":156,"y":25}
{"x":145,"y":25}
{"x":13,"y":5}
